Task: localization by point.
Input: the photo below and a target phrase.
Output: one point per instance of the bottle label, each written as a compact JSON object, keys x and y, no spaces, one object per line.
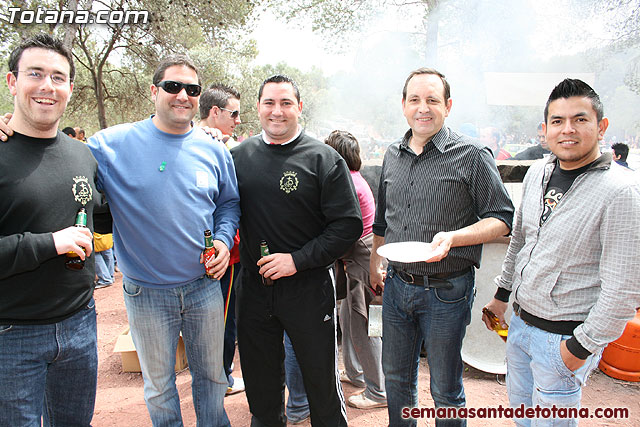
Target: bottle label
{"x":207,"y":255}
{"x":81,"y":219}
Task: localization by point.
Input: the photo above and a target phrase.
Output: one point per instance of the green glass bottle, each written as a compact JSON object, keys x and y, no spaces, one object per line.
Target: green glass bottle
{"x":209,"y":251}
{"x":264,"y":251}
{"x":72,"y":260}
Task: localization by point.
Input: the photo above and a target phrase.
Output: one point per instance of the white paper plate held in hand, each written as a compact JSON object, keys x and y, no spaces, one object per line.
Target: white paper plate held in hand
{"x":407,"y":251}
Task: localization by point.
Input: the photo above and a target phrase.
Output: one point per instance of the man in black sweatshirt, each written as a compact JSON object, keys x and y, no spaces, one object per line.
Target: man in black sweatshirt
{"x":48,"y":340}
{"x":296,"y":195}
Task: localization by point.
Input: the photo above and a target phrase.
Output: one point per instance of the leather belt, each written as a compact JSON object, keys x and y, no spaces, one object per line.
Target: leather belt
{"x":414,"y":279}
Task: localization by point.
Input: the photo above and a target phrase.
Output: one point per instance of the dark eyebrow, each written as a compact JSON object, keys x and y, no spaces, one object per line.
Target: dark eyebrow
{"x":36,"y":68}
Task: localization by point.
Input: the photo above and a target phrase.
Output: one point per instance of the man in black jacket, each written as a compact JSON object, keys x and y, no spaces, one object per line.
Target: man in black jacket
{"x":296,"y":194}
{"x":48,"y":340}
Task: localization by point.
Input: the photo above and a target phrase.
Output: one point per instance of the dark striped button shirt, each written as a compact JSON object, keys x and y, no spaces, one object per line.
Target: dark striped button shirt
{"x":453,"y":183}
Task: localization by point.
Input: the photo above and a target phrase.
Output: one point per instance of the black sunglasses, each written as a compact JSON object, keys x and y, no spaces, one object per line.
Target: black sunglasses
{"x":234,"y":113}
{"x":174,"y":88}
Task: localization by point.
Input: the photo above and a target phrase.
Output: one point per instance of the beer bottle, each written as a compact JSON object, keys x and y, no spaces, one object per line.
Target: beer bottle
{"x":72,"y":260}
{"x":209,"y":251}
{"x":264,"y":251}
{"x":495,"y":324}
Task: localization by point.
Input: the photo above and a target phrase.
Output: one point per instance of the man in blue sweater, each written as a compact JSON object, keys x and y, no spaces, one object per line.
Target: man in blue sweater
{"x":167,"y":182}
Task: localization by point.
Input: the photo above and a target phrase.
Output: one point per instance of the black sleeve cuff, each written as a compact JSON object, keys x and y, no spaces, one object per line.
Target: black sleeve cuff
{"x":502,"y":294}
{"x":577,"y":349}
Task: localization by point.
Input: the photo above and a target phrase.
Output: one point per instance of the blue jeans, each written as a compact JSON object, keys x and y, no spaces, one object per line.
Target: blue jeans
{"x":297,"y":403}
{"x":105,"y":267}
{"x":156,"y":317}
{"x":410,"y":315}
{"x":536,"y":374}
{"x":49,"y":371}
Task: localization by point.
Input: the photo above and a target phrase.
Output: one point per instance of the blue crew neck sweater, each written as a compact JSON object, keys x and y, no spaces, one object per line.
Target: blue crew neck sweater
{"x":164,"y":190}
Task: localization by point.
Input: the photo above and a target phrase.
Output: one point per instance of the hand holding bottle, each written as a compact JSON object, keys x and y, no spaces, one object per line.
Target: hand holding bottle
{"x":73,"y":239}
{"x":215,"y":257}
{"x":493,"y":317}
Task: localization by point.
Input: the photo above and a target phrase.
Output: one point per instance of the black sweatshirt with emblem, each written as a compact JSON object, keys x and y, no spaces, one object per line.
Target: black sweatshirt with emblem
{"x":43,"y":184}
{"x":299,"y":197}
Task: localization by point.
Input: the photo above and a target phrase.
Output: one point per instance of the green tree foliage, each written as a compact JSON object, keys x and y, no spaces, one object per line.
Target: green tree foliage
{"x":115,"y":61}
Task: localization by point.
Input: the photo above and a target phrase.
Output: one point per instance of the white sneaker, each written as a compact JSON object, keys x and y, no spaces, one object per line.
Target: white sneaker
{"x":361,"y":401}
{"x":238,"y":387}
{"x":345,"y":379}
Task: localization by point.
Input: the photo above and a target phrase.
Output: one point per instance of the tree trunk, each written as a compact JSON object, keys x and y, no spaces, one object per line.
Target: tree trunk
{"x":431,"y":48}
{"x":70,"y":29}
{"x":102,"y":117}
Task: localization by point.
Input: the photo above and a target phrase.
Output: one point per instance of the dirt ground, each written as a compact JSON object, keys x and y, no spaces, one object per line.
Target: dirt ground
{"x":120,"y":399}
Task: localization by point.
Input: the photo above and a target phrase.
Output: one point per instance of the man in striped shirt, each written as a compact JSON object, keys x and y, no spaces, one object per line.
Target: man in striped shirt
{"x":441,"y":187}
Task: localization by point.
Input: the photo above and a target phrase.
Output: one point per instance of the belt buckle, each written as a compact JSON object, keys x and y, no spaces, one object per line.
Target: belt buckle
{"x":413,"y":280}
{"x":516,"y":309}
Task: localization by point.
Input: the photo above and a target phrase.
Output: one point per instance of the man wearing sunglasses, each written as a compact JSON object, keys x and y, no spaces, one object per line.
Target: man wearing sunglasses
{"x":166,"y":183}
{"x":220,"y":109}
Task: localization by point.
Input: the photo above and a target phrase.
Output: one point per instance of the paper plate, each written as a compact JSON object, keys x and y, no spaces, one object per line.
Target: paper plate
{"x":407,"y":251}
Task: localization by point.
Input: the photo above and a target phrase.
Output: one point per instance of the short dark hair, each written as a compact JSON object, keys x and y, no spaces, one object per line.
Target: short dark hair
{"x":425,"y":70}
{"x":42,"y":41}
{"x":280,"y":78}
{"x":171,"y":61}
{"x":69,"y":131}
{"x":217,"y":95}
{"x":575,"y":87}
{"x":347,"y":146}
{"x":621,"y":149}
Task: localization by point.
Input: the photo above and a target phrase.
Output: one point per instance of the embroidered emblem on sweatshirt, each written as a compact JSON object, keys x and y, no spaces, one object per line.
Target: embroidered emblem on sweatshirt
{"x":289,"y":182}
{"x":82,"y":190}
{"x":327,"y":317}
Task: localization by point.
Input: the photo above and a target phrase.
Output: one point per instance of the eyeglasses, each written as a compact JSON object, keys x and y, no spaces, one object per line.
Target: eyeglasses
{"x":174,"y":88}
{"x":57,"y":79}
{"x":234,"y":113}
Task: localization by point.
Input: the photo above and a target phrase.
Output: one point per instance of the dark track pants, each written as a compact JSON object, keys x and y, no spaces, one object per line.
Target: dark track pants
{"x":304,"y":306}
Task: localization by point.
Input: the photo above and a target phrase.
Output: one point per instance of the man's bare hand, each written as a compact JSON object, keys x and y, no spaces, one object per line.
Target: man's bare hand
{"x":441,"y":244}
{"x":570,"y":361}
{"x":377,"y":273}
{"x":5,"y":130}
{"x":498,"y":308}
{"x":214,"y":132}
{"x":73,"y":239}
{"x":277,"y":265}
{"x":218,"y":264}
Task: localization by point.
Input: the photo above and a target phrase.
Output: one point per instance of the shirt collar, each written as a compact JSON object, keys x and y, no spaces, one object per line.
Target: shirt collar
{"x":439,"y":140}
{"x":266,"y":141}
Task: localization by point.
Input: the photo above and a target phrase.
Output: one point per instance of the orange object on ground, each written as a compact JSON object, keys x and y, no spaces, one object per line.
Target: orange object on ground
{"x":621,"y":358}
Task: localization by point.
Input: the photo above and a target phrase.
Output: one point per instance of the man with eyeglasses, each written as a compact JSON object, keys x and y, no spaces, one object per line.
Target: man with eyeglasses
{"x":166,"y":183}
{"x":220,"y":109}
{"x":48,"y":340}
